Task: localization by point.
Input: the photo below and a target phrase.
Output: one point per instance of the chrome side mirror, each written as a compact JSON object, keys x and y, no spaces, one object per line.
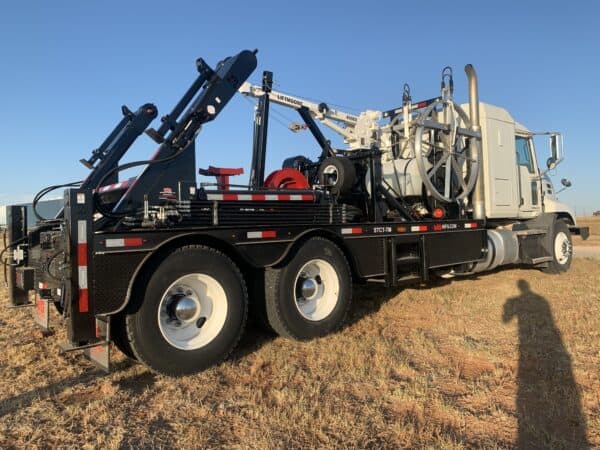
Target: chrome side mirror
{"x":554,"y":146}
{"x":557,"y":152}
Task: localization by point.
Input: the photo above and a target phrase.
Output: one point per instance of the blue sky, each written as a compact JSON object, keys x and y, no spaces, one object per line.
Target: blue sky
{"x":67,"y":67}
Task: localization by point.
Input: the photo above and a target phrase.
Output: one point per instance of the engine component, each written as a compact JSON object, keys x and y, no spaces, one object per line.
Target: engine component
{"x":296,"y":162}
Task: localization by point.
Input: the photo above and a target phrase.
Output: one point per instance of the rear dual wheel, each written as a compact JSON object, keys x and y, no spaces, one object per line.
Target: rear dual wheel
{"x":309,"y":296}
{"x":191,"y":314}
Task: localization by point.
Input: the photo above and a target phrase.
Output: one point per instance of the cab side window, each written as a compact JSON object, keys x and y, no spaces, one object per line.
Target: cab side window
{"x":524,"y":153}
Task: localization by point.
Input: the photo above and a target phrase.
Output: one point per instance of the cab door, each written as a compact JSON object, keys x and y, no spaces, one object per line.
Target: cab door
{"x":528,"y":178}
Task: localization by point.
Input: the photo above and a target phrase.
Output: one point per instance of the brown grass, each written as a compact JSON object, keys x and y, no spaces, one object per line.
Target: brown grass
{"x":428,"y":367}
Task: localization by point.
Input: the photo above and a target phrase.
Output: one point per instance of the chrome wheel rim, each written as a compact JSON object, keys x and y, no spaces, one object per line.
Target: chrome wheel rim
{"x":192,"y":311}
{"x":562,"y":248}
{"x":316,"y":290}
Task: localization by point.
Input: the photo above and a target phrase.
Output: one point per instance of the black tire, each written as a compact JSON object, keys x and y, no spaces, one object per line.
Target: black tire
{"x":281,"y":292}
{"x":118,"y":334}
{"x":59,"y":308}
{"x":338,"y":173}
{"x":148,"y":342}
{"x":561,"y":262}
{"x":257,"y":311}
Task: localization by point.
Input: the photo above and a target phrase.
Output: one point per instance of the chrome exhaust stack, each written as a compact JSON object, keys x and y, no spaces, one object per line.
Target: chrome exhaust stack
{"x":475,"y":153}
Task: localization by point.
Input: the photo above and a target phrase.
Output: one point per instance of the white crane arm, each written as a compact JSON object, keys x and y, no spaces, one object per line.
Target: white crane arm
{"x":318,"y":111}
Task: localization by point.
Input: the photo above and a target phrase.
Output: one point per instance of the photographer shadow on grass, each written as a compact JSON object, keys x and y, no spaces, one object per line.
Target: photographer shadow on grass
{"x":548,"y":399}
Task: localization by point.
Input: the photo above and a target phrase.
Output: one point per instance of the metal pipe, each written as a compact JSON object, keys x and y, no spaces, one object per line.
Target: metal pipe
{"x":478,"y":198}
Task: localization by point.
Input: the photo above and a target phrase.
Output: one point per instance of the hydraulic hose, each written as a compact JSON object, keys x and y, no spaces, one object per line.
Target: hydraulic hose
{"x":45,"y":191}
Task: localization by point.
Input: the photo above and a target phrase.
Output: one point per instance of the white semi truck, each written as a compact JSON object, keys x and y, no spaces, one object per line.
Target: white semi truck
{"x":168,"y":269}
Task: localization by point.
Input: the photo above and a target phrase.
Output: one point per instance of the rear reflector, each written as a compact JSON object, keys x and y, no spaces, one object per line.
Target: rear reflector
{"x":124,"y":242}
{"x":354,"y":230}
{"x":268,"y":234}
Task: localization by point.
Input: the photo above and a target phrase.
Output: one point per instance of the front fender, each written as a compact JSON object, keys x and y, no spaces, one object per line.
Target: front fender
{"x":552,"y":206}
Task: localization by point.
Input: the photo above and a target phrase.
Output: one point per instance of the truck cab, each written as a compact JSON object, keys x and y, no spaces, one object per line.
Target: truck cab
{"x":515,"y":186}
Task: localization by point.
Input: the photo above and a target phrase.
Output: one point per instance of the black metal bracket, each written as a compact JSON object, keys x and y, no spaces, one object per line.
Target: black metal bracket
{"x":259,"y":139}
{"x":325,"y":145}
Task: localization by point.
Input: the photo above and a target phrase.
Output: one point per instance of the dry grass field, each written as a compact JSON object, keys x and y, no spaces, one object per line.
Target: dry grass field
{"x":507,"y":359}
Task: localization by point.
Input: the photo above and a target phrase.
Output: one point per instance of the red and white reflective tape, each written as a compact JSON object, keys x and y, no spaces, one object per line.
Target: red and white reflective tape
{"x":41,"y":285}
{"x":82,"y":263}
{"x":262,"y":197}
{"x":353,"y":230}
{"x":418,"y":228}
{"x":269,"y":234}
{"x":111,"y":187}
{"x":471,"y":225}
{"x":124,"y":242}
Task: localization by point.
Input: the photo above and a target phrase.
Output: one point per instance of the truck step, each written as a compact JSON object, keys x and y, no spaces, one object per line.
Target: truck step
{"x":541,"y":259}
{"x":407,"y":259}
{"x":408,"y":277}
{"x":531,"y":232}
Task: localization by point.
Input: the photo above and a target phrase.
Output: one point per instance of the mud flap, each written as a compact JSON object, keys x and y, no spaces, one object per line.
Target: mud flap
{"x":41,"y":313}
{"x":100,"y":353}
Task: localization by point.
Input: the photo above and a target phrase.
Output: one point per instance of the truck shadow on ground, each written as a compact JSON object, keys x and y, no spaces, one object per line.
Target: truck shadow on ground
{"x":549,"y":407}
{"x":368,"y":299}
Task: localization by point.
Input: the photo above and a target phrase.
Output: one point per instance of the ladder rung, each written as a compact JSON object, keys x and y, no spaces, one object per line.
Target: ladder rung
{"x":411,"y":277}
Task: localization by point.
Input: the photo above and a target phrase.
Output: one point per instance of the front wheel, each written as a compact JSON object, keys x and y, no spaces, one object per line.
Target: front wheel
{"x":193,"y":312}
{"x":561,"y":248}
{"x":310,"y":295}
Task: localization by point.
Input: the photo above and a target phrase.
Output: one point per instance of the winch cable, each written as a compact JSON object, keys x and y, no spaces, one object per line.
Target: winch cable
{"x":279,"y":120}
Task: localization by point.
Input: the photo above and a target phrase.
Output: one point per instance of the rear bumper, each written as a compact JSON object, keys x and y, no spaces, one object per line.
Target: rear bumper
{"x":584,"y":232}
